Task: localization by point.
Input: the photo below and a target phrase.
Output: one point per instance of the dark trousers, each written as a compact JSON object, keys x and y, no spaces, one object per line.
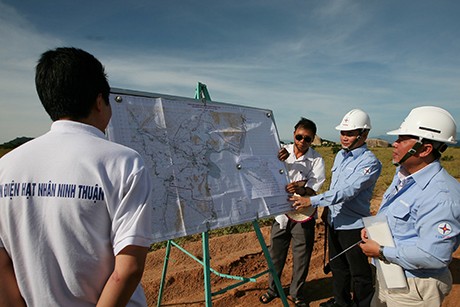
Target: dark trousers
{"x":351,"y":272}
{"x":303,"y":237}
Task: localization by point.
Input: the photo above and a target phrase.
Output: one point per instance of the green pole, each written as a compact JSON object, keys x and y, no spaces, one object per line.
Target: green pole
{"x":201,"y":92}
{"x":163,"y":275}
{"x":271,"y":268}
{"x":207,"y":272}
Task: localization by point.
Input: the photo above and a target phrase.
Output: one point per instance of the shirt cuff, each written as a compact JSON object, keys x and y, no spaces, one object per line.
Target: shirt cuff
{"x":389,"y":253}
{"x":314,"y":200}
{"x":137,"y":241}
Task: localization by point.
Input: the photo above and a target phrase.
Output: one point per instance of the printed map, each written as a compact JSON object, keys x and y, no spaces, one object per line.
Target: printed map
{"x":212,"y":164}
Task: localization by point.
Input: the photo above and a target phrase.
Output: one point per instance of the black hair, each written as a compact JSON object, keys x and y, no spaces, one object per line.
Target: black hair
{"x":306,"y":124}
{"x":68,"y":81}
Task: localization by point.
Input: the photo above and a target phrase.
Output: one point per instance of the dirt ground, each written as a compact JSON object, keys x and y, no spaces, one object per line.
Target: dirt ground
{"x":241,"y":255}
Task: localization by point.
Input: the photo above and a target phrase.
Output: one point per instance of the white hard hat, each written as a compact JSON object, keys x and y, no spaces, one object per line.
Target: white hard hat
{"x":432,"y":123}
{"x":355,"y":119}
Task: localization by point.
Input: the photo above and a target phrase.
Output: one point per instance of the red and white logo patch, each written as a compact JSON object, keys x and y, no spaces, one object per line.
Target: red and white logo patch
{"x":444,"y":229}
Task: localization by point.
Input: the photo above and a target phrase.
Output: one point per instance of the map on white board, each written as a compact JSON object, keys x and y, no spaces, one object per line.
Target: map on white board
{"x":212,"y":164}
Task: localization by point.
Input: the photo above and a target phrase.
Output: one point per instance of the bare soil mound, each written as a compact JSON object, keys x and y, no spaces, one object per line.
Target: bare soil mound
{"x":241,"y":255}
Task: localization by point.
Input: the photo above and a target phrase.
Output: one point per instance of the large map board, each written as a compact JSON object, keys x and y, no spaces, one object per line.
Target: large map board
{"x":212,"y":164}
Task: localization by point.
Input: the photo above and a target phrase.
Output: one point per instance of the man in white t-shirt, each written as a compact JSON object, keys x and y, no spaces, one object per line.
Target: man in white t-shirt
{"x":75,"y":219}
{"x":307,"y":174}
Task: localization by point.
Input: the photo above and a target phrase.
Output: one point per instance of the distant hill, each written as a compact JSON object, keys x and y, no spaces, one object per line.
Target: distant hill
{"x":16,"y":142}
{"x":389,"y":138}
{"x":376,"y":142}
{"x":318,"y":141}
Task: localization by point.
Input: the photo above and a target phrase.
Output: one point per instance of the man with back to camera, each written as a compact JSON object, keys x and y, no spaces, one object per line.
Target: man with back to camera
{"x":75,"y":223}
{"x":422,"y":207}
{"x":354,"y":174}
{"x":307,"y":174}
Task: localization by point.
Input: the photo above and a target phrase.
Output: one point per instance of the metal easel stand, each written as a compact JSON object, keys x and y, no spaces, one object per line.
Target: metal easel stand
{"x":207,"y":269}
{"x":202,"y":93}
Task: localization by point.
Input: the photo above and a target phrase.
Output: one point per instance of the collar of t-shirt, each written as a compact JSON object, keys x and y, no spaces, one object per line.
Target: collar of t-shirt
{"x":70,"y":126}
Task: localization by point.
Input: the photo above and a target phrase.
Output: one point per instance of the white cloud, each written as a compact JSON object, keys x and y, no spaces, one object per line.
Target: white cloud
{"x":317,"y":60}
{"x":22,"y":114}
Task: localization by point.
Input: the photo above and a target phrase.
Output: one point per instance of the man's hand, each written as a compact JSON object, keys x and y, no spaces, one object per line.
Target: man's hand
{"x":300,"y":203}
{"x":370,"y":247}
{"x":298,"y":187}
{"x":283,"y":154}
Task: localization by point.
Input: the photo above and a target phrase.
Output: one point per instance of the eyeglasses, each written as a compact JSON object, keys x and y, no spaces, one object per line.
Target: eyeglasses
{"x":306,"y":138}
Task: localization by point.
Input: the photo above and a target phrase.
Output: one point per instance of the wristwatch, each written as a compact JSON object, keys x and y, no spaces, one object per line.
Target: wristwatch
{"x":381,"y":256}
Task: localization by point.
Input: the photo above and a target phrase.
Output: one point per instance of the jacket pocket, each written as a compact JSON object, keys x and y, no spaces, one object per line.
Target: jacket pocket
{"x":403,"y":224}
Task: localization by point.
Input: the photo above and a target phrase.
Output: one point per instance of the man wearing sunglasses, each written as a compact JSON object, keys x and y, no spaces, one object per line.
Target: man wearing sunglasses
{"x":354,"y":174}
{"x":307,"y":174}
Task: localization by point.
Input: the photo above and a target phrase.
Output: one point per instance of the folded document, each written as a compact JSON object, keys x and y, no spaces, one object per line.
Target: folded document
{"x":392,"y":275}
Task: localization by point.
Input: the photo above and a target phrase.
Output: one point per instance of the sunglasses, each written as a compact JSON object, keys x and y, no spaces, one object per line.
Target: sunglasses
{"x":306,"y":138}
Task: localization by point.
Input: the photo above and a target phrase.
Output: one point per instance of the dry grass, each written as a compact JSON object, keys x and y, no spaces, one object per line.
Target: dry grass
{"x":451,"y":161}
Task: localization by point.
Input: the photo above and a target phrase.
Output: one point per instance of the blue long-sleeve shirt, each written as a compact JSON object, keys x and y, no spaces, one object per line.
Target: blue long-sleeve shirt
{"x":354,"y":175}
{"x":424,"y":218}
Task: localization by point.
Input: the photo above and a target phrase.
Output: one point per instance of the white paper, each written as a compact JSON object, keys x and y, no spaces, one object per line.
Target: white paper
{"x":212,"y":164}
{"x":392,"y":274}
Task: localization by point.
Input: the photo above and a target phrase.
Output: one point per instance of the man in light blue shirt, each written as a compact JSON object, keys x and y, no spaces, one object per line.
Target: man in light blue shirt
{"x":422,"y":207}
{"x":354,"y":174}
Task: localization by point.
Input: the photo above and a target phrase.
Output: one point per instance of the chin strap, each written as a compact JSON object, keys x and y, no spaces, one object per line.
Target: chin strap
{"x":409,"y":153}
{"x":347,"y":149}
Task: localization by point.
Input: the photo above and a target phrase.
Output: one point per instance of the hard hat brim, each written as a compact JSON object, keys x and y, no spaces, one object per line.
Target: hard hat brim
{"x":342,"y":128}
{"x":401,"y":132}
{"x":395,"y":132}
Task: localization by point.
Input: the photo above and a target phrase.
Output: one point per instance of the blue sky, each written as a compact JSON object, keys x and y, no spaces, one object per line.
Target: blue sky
{"x":317,"y":59}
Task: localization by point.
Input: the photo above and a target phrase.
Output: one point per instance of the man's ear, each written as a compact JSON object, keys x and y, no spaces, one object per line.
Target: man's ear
{"x":99,"y":102}
{"x":425,"y":150}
